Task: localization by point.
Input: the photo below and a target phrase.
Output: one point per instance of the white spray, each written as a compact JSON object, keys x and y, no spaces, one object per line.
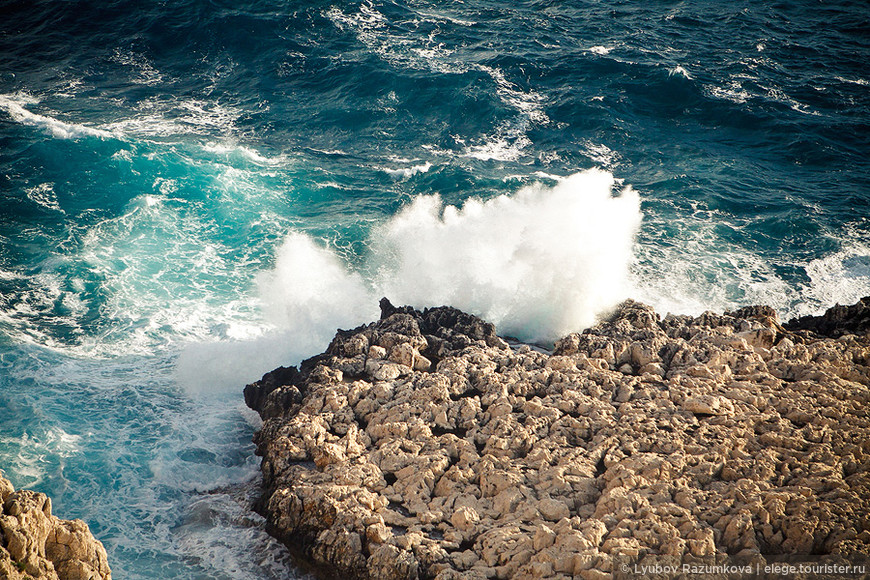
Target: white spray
{"x":540,"y":263}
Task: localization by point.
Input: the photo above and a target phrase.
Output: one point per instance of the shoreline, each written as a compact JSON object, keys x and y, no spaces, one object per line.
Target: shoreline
{"x":424,"y":446}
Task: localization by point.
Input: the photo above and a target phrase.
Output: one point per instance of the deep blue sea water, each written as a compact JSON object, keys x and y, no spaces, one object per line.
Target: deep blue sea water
{"x":194,"y":192}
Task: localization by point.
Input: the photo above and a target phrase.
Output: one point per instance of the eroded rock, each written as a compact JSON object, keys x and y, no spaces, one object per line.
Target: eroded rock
{"x":423,"y":446}
{"x":837,"y":320}
{"x":37,"y":545}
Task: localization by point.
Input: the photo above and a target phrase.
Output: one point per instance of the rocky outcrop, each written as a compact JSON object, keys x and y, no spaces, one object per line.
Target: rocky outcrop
{"x":837,"y":321}
{"x":424,"y":446}
{"x":36,"y":545}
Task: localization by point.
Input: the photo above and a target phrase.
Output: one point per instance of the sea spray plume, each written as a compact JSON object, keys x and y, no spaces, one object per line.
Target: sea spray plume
{"x":310,"y":292}
{"x":539,"y":263}
{"x":305,"y":297}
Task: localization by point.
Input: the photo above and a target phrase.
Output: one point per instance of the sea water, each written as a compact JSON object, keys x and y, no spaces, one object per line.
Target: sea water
{"x":194,"y":192}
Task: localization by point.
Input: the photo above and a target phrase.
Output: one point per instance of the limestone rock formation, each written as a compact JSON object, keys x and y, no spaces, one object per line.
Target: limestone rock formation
{"x":424,"y":446}
{"x":36,"y":545}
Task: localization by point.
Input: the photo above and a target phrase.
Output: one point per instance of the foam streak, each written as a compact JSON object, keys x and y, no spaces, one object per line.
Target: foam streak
{"x":55,"y":127}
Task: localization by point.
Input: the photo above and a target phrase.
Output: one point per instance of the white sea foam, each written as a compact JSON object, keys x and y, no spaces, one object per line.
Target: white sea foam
{"x":221,"y":533}
{"x":446,"y":18}
{"x":231,"y":150}
{"x":600,"y":154}
{"x":146,"y":74}
{"x":528,"y":102}
{"x":406,"y":172}
{"x":44,"y":195}
{"x":30,"y":456}
{"x":691,"y":269}
{"x":679,"y":71}
{"x":14,"y":106}
{"x":162,"y":280}
{"x":843,"y":277}
{"x":392,"y":42}
{"x":152,"y":119}
{"x":507,"y":144}
{"x":161,"y":118}
{"x":858,"y":81}
{"x":733,"y":91}
{"x":329,"y":151}
{"x":776,"y":94}
{"x":510,"y":139}
{"x":44,"y":297}
{"x":698,"y":277}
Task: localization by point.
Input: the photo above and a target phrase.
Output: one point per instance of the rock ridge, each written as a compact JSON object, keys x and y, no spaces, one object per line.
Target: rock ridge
{"x":35,"y":545}
{"x":424,"y":446}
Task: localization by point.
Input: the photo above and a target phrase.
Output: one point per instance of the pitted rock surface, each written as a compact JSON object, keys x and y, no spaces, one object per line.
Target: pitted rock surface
{"x":423,"y":446}
{"x":37,"y":545}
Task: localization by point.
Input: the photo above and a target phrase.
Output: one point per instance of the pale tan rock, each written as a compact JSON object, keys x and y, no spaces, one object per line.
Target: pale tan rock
{"x":378,"y":533}
{"x":553,"y":509}
{"x":403,"y":353}
{"x":639,"y":438}
{"x":544,"y":538}
{"x":36,"y":544}
{"x":709,"y":405}
{"x":465,"y":518}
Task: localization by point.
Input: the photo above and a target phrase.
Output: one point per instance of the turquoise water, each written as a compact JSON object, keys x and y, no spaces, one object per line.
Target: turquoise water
{"x":192,"y":193}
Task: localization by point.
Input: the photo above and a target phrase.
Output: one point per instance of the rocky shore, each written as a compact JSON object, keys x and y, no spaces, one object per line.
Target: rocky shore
{"x":35,"y":545}
{"x":425,"y":446}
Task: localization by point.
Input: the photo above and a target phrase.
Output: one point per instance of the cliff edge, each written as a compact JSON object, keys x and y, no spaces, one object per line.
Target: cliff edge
{"x":425,"y":446}
{"x":35,"y":545}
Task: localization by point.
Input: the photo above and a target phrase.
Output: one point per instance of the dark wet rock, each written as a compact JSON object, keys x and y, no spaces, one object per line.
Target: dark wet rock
{"x":836,"y":321}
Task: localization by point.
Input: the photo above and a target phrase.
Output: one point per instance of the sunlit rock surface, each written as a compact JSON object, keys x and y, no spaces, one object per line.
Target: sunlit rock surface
{"x":424,"y":446}
{"x":37,"y":545}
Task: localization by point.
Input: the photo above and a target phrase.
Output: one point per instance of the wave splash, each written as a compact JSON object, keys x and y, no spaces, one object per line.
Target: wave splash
{"x":538,"y":264}
{"x":306,"y":296}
